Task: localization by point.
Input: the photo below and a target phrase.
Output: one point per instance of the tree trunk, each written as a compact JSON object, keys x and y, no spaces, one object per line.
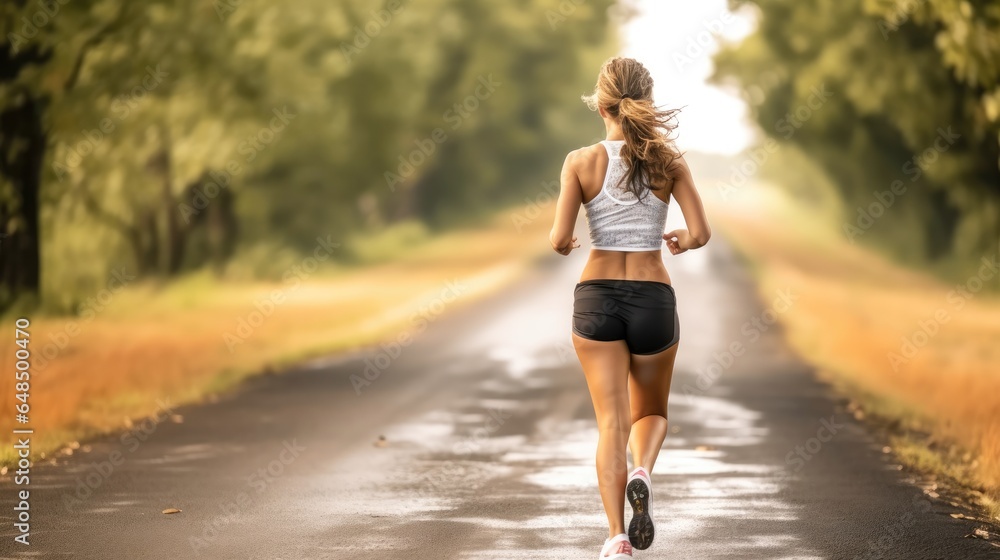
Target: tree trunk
{"x":172,"y":250}
{"x":22,"y":145}
{"x":221,"y":229}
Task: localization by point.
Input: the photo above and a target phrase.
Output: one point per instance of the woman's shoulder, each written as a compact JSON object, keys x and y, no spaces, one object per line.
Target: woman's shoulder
{"x":587,"y":156}
{"x":679,"y":167}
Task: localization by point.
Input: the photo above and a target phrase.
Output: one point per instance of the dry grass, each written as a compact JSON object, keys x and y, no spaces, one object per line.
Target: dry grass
{"x":854,"y":311}
{"x":152,"y":343}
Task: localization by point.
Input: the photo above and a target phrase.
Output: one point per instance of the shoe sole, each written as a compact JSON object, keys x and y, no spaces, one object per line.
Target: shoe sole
{"x":640,"y":529}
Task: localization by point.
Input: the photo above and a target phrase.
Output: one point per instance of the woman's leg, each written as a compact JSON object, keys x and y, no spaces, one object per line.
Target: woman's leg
{"x":649,"y":387}
{"x":605,"y":365}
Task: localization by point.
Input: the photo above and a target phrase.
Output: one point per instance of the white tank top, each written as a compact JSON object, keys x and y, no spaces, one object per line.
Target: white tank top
{"x":618,"y":220}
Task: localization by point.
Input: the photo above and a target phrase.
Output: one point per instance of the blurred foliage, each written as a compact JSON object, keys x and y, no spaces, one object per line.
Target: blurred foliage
{"x":172,"y":135}
{"x":802,"y":178}
{"x":870,"y":89}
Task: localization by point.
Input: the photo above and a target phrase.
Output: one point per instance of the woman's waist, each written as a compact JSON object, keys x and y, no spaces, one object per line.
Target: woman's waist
{"x":636,"y":266}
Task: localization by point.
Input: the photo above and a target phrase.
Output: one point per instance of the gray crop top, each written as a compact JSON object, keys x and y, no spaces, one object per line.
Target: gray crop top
{"x":618,"y":220}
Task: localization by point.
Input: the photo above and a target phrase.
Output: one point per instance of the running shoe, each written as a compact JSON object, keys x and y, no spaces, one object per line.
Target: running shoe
{"x":638,"y":493}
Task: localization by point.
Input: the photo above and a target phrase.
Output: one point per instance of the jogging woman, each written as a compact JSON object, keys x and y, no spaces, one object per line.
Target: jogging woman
{"x":625,"y":325}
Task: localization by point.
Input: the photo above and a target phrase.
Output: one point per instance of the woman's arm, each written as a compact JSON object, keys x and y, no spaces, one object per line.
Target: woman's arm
{"x":698,"y":231}
{"x":567,"y":207}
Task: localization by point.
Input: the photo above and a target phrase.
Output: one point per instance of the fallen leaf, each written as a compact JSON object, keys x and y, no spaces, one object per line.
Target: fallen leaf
{"x":979,"y":534}
{"x":705,"y":448}
{"x":381,"y":442}
{"x":168,"y":511}
{"x":886,"y":449}
{"x":957,"y":515}
{"x":176,"y":418}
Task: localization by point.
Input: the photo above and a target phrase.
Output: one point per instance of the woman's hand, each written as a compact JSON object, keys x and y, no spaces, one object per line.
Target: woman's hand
{"x":564,"y":251}
{"x":680,"y":240}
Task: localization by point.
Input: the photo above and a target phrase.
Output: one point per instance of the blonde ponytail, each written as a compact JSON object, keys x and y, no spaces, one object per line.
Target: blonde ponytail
{"x":625,"y":90}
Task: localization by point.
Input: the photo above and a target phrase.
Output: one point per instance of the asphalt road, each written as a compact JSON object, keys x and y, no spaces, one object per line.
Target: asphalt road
{"x":488,"y":451}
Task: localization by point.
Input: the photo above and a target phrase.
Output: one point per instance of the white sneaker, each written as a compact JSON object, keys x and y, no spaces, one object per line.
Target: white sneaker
{"x":638,"y":493}
{"x":617,"y":548}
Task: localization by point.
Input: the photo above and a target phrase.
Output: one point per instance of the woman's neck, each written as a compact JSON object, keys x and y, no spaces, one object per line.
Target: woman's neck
{"x":614,"y":131}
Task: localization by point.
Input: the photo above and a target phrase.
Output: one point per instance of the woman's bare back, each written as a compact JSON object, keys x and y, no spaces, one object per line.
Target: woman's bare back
{"x":591,"y":165}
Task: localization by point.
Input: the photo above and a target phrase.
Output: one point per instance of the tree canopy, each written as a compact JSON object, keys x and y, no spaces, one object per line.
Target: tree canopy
{"x":173,"y":134}
{"x":909,"y":130}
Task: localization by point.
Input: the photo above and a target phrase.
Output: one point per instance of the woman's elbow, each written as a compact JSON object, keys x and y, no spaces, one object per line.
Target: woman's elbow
{"x":559,"y":241}
{"x":702,"y":237}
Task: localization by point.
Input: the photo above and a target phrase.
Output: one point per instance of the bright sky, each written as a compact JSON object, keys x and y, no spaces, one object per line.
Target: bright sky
{"x":675,"y":40}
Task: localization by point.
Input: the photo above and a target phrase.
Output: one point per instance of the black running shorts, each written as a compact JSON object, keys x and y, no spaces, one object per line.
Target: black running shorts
{"x":640,"y":312}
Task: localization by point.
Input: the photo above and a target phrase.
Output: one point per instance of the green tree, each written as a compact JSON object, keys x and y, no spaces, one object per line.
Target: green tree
{"x":168,"y":135}
{"x":912,"y":103}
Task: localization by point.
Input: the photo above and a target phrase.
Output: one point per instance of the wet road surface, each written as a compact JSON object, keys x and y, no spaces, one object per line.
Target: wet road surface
{"x":488,"y":451}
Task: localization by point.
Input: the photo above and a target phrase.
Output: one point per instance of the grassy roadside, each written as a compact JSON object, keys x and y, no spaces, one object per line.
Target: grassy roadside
{"x":142,"y":349}
{"x":915,"y":355}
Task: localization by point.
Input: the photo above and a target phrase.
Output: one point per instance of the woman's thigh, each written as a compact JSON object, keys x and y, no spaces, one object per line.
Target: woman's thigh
{"x":649,"y":382}
{"x":606,"y":367}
